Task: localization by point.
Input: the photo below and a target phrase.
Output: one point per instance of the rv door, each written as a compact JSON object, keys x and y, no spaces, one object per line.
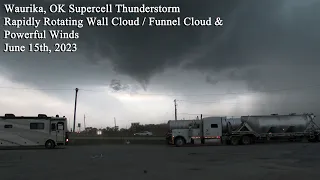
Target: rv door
{"x":60,"y":132}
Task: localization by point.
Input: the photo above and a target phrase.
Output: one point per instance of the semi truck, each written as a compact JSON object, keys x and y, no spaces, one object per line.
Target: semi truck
{"x":244,"y":130}
{"x":41,"y":130}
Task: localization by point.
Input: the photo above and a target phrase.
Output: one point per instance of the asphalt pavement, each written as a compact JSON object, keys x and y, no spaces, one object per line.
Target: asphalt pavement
{"x":160,"y":162}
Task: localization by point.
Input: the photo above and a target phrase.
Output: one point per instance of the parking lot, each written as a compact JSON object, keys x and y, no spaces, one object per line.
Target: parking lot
{"x":139,"y":162}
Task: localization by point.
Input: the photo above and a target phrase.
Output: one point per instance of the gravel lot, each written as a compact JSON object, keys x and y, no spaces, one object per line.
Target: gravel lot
{"x":139,"y":162}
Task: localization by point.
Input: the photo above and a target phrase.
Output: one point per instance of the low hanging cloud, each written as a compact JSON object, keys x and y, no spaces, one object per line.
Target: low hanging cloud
{"x":211,"y":80}
{"x":117,"y":86}
{"x":254,"y":33}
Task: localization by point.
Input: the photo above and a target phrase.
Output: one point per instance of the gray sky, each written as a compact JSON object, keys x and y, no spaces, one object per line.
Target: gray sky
{"x":262,"y":46}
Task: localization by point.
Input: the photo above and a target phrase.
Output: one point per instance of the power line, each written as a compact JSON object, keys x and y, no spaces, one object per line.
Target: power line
{"x":213,"y":102}
{"x":164,"y":94}
{"x":265,"y":91}
{"x":213,"y":94}
{"x":37,"y":89}
{"x":237,"y":103}
{"x":199,"y":102}
{"x":195,"y":114}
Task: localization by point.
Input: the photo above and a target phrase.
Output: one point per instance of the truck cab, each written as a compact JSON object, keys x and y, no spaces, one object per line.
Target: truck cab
{"x":212,"y":129}
{"x":184,"y":131}
{"x":205,"y":131}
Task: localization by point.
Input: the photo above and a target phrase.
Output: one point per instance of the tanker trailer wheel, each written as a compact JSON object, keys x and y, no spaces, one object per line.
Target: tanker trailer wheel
{"x":312,"y":138}
{"x":234,"y":141}
{"x":179,"y":141}
{"x":246,"y":140}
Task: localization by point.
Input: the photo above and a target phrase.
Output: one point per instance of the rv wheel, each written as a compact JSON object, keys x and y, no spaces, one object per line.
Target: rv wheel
{"x":49,"y":144}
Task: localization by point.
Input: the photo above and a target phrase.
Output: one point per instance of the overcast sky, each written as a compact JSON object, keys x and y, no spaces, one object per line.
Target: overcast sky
{"x":263,"y":60}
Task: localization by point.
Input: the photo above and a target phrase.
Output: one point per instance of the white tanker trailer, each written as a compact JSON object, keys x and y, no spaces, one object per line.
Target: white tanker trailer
{"x":245,"y":130}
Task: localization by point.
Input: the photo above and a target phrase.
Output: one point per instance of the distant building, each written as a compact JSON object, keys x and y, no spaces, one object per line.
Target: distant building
{"x":135,"y":126}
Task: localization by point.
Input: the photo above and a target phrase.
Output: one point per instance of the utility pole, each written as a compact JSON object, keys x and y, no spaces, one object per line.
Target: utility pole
{"x":115,"y":123}
{"x":84,"y":122}
{"x":75,"y":109}
{"x":175,"y":109}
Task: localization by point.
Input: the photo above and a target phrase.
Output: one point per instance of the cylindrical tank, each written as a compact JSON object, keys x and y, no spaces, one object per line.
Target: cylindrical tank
{"x":231,"y":124}
{"x":277,"y":123}
{"x":182,"y":124}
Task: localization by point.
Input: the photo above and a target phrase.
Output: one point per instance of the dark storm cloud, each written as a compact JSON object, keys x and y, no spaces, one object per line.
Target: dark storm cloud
{"x":265,"y":33}
{"x":141,"y":52}
{"x":255,"y":32}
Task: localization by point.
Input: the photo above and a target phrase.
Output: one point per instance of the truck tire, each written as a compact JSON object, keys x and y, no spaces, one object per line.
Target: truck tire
{"x":234,"y":141}
{"x":246,"y":140}
{"x":49,"y":144}
{"x":167,"y":142}
{"x":179,"y":141}
{"x":228,"y":142}
{"x":313,"y":139}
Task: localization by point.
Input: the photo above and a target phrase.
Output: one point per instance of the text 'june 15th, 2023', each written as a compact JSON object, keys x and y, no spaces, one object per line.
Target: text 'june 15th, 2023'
{"x":59,"y":33}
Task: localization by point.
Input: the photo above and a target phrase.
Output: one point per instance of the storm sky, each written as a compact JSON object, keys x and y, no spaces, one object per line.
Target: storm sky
{"x":263,"y":60}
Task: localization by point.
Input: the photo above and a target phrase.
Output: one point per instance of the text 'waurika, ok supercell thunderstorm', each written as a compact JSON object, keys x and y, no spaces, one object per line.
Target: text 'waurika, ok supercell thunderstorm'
{"x":49,"y":31}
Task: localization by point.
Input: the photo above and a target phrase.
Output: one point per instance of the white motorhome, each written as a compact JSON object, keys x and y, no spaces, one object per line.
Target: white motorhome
{"x":38,"y":130}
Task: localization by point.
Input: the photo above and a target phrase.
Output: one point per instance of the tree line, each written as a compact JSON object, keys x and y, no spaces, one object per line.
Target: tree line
{"x":156,"y":129}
